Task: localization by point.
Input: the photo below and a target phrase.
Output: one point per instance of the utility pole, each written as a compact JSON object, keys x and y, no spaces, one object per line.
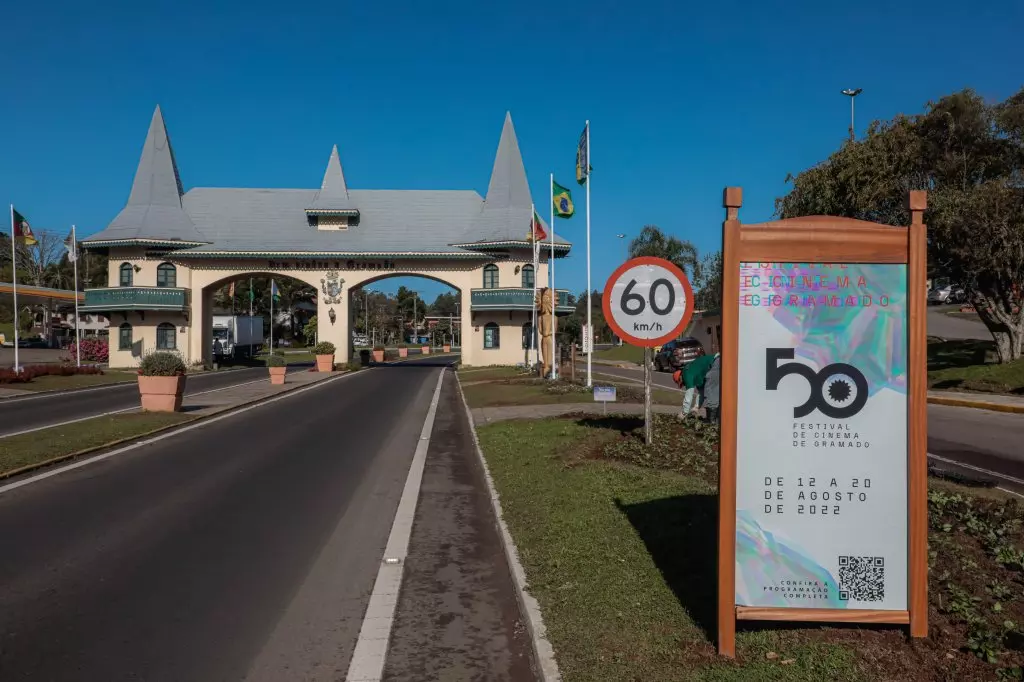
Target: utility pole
{"x":852,"y":94}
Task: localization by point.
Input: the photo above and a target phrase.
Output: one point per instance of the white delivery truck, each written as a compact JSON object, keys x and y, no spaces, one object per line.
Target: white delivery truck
{"x":238,"y":335}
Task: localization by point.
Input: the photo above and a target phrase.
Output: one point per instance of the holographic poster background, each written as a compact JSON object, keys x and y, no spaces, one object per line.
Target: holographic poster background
{"x":853,"y":469}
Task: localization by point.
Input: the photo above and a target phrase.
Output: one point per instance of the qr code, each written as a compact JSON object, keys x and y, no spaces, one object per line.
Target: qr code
{"x":861,"y":578}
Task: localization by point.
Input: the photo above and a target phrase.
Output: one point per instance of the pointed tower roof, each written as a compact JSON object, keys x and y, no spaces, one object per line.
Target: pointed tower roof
{"x":333,"y":197}
{"x":508,"y":187}
{"x":154,"y":211}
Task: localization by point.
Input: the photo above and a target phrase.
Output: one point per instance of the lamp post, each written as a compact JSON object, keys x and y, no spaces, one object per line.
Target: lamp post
{"x":852,"y":94}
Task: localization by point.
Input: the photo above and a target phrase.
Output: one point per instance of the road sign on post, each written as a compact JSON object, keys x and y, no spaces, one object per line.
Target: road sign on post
{"x":823,"y":491}
{"x":647,"y":301}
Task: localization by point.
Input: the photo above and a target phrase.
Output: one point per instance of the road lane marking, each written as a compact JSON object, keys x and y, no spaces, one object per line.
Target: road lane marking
{"x":371,"y":649}
{"x":126,"y":409}
{"x":980,"y":470}
{"x":170,"y":434}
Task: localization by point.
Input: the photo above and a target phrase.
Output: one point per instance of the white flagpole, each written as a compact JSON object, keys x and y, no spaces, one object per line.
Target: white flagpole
{"x":74,"y":255}
{"x":14,"y":276}
{"x":533,"y":350}
{"x":590,"y":296}
{"x":551,"y":279}
{"x":272,"y":287}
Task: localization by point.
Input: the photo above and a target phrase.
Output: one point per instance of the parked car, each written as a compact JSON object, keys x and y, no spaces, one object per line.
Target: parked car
{"x":689,"y":347}
{"x":947,"y":294}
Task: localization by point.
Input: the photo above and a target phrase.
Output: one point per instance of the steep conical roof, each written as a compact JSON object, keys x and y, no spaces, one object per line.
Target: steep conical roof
{"x":508,"y":187}
{"x":154,"y":207}
{"x":333,"y":194}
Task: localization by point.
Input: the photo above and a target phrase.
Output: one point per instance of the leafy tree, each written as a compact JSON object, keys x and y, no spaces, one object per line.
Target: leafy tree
{"x":969,"y":155}
{"x":653,"y":242}
{"x":445,"y":304}
{"x":707,"y":285}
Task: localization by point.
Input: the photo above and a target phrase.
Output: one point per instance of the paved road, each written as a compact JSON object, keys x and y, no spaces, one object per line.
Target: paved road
{"x":243,"y":549}
{"x":30,"y":412}
{"x":990,"y":440}
{"x":942,"y":325}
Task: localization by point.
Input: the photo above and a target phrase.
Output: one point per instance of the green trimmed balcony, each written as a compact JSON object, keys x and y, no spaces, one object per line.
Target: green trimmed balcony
{"x":517,"y":298}
{"x":135,"y":298}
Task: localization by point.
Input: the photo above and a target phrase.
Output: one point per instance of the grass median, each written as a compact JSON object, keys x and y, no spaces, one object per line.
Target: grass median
{"x":58,"y":383}
{"x":618,"y":541}
{"x":40,"y":446}
{"x":970,"y":365}
{"x":623,"y":353}
{"x":502,"y":390}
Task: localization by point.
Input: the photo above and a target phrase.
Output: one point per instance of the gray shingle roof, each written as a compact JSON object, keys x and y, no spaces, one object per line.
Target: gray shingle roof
{"x":275,"y":220}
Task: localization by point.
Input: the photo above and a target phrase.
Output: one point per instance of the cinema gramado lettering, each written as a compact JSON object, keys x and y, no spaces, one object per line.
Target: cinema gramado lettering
{"x":821,"y":483}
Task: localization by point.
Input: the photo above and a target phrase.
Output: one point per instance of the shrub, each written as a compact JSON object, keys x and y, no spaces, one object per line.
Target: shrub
{"x":324,"y":348}
{"x":30,"y":372}
{"x":276,"y":360}
{"x":93,"y":350}
{"x":379,"y":347}
{"x":162,"y":363}
{"x":403,"y":345}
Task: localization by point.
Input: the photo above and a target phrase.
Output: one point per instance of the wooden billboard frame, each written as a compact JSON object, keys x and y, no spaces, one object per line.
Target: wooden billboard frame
{"x":826,"y":239}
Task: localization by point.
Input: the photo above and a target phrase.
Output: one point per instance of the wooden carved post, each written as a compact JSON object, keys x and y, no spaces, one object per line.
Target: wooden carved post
{"x":546,"y":315}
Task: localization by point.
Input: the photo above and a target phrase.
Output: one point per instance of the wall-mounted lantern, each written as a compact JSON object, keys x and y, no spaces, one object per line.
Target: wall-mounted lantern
{"x":331,"y":314}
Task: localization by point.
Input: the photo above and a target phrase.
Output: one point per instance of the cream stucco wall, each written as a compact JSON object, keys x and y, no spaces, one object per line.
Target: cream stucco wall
{"x":144,"y":335}
{"x":510,"y":350}
{"x":146,"y":275}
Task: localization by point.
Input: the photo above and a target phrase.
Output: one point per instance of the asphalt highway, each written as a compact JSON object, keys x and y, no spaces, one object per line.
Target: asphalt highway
{"x":31,"y":412}
{"x":244,"y":549}
{"x":977,"y":438}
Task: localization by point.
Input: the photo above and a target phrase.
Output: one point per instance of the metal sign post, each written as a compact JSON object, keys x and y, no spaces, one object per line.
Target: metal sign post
{"x":648,"y":301}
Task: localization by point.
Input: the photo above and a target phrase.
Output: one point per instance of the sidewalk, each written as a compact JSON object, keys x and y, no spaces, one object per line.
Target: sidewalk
{"x":204,"y":404}
{"x":458,"y":614}
{"x":487,"y":415}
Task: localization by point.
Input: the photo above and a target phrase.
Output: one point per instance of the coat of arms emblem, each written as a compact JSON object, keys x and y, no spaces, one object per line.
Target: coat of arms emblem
{"x":331,"y":286}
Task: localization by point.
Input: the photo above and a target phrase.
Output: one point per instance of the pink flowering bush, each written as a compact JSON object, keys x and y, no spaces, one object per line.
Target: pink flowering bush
{"x":93,"y":350}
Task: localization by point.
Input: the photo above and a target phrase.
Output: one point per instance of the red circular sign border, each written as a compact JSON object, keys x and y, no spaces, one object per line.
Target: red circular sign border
{"x":607,"y":306}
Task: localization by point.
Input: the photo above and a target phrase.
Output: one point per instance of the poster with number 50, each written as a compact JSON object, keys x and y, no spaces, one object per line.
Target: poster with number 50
{"x":821,"y":498}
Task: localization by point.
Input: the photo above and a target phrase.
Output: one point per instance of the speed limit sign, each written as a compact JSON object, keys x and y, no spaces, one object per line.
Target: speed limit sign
{"x":647,"y":301}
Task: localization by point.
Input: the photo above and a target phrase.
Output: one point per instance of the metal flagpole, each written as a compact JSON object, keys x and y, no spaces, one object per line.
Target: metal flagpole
{"x":551,"y":278}
{"x":273,"y":285}
{"x":74,"y":259}
{"x":533,"y":318}
{"x":250,"y":319}
{"x":14,"y":275}
{"x":590,"y":295}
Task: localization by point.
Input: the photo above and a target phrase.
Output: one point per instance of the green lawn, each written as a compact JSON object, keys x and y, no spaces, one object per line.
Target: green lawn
{"x":968,"y":365}
{"x":46,"y":444}
{"x":55,"y":383}
{"x":495,"y":394}
{"x":618,"y":542}
{"x":467,"y":375}
{"x":624,"y":353}
{"x":7,"y":329}
{"x":292,"y":358}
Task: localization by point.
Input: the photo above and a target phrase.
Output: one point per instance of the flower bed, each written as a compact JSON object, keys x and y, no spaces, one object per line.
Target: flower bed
{"x":30,"y":372}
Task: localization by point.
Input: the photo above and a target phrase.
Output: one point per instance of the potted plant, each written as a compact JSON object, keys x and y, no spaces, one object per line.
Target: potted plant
{"x":447,"y":346}
{"x":425,"y":349}
{"x":278,"y":368}
{"x":403,"y":350}
{"x":324,"y":352}
{"x":161,"y":381}
{"x":378,"y":353}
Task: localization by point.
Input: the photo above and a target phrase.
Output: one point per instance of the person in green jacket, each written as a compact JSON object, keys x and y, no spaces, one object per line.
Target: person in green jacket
{"x":694,"y":374}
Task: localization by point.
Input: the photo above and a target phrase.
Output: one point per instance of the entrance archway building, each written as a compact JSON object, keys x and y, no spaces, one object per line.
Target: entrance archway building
{"x":169,"y":250}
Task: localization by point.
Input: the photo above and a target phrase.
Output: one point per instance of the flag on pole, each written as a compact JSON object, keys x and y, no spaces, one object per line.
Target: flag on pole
{"x":562,"y":199}
{"x":537,"y":231}
{"x":275,"y":293}
{"x":72,"y":247}
{"x":21,"y":228}
{"x":583,"y":157}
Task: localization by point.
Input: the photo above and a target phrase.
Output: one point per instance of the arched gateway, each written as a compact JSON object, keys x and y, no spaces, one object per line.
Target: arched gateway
{"x":169,"y":250}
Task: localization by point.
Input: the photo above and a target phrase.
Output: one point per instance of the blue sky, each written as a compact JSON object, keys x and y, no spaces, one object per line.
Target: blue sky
{"x":683,"y":98}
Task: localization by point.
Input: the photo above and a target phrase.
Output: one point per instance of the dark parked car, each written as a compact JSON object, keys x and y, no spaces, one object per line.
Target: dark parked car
{"x":689,"y":349}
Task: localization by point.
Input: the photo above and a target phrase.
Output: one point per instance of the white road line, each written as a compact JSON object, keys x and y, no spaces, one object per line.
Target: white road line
{"x":169,"y":434}
{"x":126,"y":409}
{"x":996,"y":474}
{"x":375,"y":634}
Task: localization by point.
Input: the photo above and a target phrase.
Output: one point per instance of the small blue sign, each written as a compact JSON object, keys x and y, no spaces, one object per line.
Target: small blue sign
{"x":604,"y":394}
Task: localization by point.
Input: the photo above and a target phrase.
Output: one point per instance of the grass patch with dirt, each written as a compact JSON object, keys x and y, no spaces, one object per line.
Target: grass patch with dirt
{"x":39,"y":446}
{"x":59,"y":383}
{"x":969,"y":365}
{"x":533,"y":391}
{"x":623,"y":353}
{"x":618,"y":541}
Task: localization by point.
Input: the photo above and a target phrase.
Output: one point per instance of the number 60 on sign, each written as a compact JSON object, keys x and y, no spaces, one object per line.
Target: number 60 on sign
{"x":647,"y":301}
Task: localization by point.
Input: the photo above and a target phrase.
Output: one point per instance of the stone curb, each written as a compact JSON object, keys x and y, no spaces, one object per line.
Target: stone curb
{"x":976,"y":404}
{"x":129,"y":439}
{"x":542,"y":648}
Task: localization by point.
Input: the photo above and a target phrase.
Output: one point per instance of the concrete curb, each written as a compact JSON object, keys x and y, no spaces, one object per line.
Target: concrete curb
{"x":130,"y":439}
{"x":976,"y":404}
{"x":542,"y":648}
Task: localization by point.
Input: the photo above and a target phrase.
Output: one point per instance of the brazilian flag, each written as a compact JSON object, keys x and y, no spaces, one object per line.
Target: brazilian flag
{"x":563,"y":201}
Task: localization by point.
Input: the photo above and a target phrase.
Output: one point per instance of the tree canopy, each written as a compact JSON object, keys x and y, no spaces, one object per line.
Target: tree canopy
{"x":653,"y":242}
{"x":969,"y":155}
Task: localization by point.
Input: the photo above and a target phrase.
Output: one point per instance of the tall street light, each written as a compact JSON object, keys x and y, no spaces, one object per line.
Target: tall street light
{"x":852,"y":94}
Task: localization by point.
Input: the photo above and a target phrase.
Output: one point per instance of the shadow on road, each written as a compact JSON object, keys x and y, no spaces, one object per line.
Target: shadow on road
{"x":681,"y":537}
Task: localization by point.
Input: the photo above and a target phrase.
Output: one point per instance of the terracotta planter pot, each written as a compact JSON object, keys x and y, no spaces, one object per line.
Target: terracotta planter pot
{"x":425,"y":350}
{"x":277,"y":374}
{"x":325,"y":363}
{"x":403,"y":352}
{"x":378,"y":356}
{"x":447,"y":348}
{"x":161,"y":394}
